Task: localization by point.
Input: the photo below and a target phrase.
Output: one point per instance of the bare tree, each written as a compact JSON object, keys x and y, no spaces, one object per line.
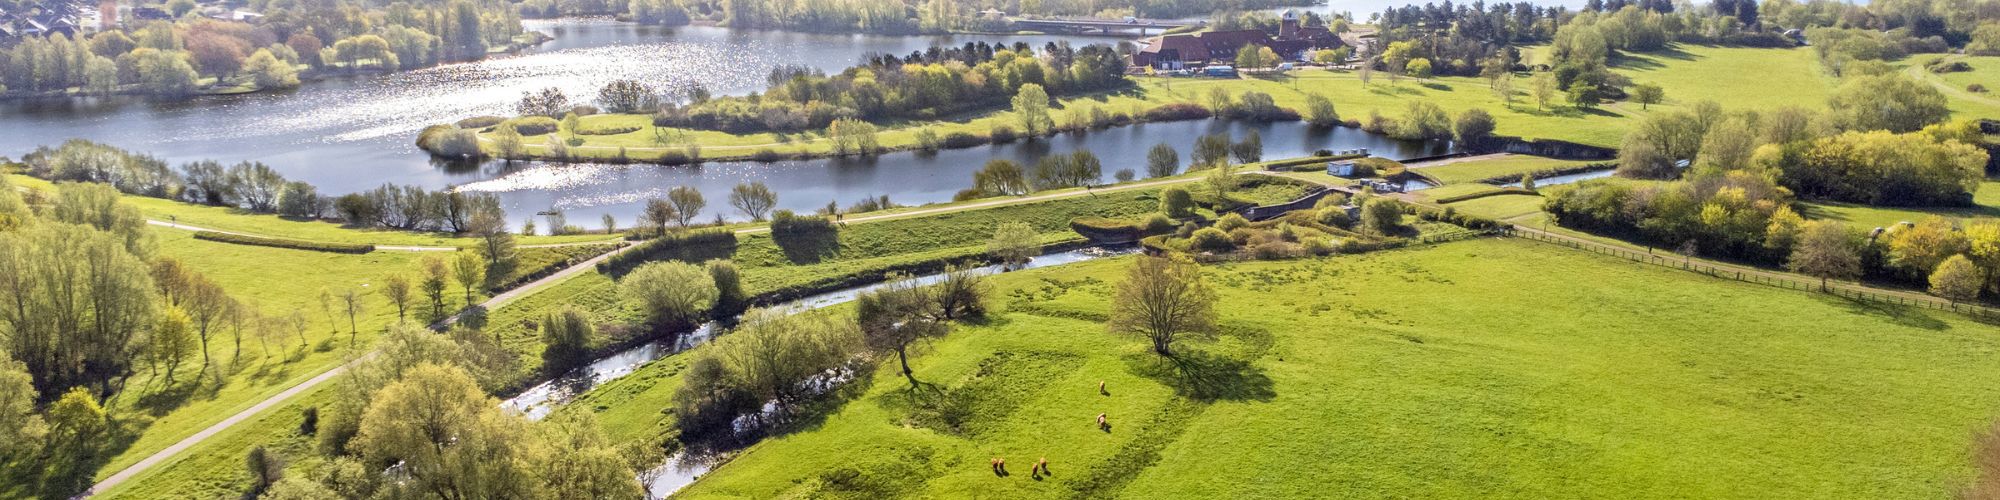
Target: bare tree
{"x":754,"y":199}
{"x":1162,"y":299}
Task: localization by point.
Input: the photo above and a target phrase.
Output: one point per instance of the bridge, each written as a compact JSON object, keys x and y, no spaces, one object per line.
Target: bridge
{"x":1100,"y":26}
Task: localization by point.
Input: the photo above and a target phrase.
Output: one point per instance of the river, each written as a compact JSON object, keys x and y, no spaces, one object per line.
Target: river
{"x":353,"y":133}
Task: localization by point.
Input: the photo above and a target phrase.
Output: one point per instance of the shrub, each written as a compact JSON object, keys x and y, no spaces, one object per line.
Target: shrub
{"x":444,"y":140}
{"x":1002,"y":134}
{"x":1158,"y":224}
{"x":480,"y":121}
{"x":765,"y":155}
{"x":1231,"y":222}
{"x":1976,"y":88}
{"x":959,"y":140}
{"x":606,"y":130}
{"x":1274,"y":250}
{"x":1317,"y":246}
{"x":534,"y":125}
{"x":1176,"y":112}
{"x":1334,"y":216}
{"x":283,"y":243}
{"x":1210,"y":239}
{"x":1176,"y":202}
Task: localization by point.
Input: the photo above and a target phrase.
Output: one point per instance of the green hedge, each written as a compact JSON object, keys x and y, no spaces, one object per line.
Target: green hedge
{"x":283,"y":243}
{"x":690,"y":246}
{"x":1483,"y":194}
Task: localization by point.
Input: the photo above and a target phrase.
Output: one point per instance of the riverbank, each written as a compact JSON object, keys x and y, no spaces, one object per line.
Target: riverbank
{"x":246,"y":84}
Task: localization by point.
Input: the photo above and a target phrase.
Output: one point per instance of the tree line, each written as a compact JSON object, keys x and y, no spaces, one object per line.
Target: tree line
{"x":173,"y":57}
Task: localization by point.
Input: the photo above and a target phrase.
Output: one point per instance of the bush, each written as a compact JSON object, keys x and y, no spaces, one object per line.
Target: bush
{"x":766,"y":155}
{"x":1317,"y":246}
{"x":1177,"y":112}
{"x":444,"y":140}
{"x":1002,"y":134}
{"x":959,"y":140}
{"x":480,"y":121}
{"x":691,"y":246}
{"x":1231,"y":222}
{"x":1334,"y":217}
{"x":1975,"y":88}
{"x":1274,"y":250}
{"x":283,"y":243}
{"x":1105,"y":229}
{"x":1158,"y":224}
{"x":1176,"y":202}
{"x":1210,"y":239}
{"x":606,"y":130}
{"x":534,"y":125}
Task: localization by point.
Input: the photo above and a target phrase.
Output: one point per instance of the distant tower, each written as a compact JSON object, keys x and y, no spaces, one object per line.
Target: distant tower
{"x":1288,"y":25}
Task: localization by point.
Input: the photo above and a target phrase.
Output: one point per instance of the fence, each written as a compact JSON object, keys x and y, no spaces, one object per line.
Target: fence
{"x":1839,"y":289}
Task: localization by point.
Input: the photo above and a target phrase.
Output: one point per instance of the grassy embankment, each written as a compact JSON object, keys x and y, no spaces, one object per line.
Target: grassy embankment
{"x":276,"y":282}
{"x":214,"y":468}
{"x":1736,"y":77}
{"x":1332,"y":381}
{"x":243,"y":221}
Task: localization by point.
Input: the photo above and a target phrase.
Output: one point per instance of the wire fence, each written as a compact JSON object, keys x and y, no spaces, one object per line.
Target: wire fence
{"x":1839,"y":289}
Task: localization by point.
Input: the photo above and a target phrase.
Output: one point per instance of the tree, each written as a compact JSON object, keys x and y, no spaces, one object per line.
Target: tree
{"x":1503,"y":88}
{"x":852,"y":136}
{"x":507,"y":142}
{"x":1249,"y":56}
{"x":172,"y":340}
{"x":567,"y":336}
{"x":266,"y":468}
{"x":1014,"y":243}
{"x":1249,"y":150}
{"x":729,"y":295}
{"x":1543,"y":86}
{"x":1825,"y":250}
{"x":444,"y":435}
{"x":1381,"y":216}
{"x":21,"y":429}
{"x":1918,"y":249}
{"x":1957,"y":279}
{"x":269,"y":72}
{"x":396,"y":288}
{"x":628,"y":96}
{"x":1474,"y":129}
{"x":1000,"y":178}
{"x":894,"y":316}
{"x":670,"y":293}
{"x":1583,"y":95}
{"x":73,"y":304}
{"x":469,"y":268}
{"x":1419,"y":68}
{"x":772,"y":353}
{"x":1162,"y":161}
{"x":1163,"y":299}
{"x":1889,"y":101}
{"x":754,"y":199}
{"x":1031,"y":105}
{"x":1211,"y":150}
{"x":1176,"y":202}
{"x":657,"y":214}
{"x":75,"y":422}
{"x":1647,"y":95}
{"x":437,"y":276}
{"x":549,"y":102}
{"x":1320,"y":112}
{"x":687,"y":202}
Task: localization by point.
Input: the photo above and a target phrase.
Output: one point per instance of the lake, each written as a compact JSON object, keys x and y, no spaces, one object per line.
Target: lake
{"x":353,"y":133}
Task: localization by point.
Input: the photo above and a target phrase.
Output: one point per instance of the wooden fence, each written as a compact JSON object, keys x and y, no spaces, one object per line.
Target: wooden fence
{"x":1839,"y":289}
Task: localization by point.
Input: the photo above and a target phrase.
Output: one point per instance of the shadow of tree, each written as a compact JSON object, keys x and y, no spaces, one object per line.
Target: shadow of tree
{"x":1206,"y":377}
{"x":808,"y":244}
{"x":1897,"y":314}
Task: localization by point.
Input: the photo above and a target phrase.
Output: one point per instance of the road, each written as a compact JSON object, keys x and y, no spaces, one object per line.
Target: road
{"x":503,"y":298}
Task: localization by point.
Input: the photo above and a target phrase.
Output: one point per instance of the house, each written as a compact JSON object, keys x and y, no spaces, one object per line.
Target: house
{"x":58,"y":17}
{"x":1292,"y":42}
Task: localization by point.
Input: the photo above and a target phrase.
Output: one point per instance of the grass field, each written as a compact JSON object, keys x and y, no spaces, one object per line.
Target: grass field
{"x":1510,"y":166}
{"x":277,"y":282}
{"x":1502,"y":207}
{"x":1987,"y":201}
{"x":1964,"y":103}
{"x":242,"y":221}
{"x":1471,"y":369}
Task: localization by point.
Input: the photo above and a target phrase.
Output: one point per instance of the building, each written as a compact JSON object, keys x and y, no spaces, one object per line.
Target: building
{"x":1292,"y":42}
{"x":54,"y":17}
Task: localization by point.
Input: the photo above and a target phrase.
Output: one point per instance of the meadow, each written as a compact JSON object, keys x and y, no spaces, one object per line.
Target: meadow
{"x":1337,"y":378}
{"x":1510,"y":167}
{"x":1738,"y":78}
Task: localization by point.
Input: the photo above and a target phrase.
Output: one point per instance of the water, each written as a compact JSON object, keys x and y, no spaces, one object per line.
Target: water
{"x":680,"y":469}
{"x":354,"y":133}
{"x":1567,"y":178}
{"x":538,"y":401}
